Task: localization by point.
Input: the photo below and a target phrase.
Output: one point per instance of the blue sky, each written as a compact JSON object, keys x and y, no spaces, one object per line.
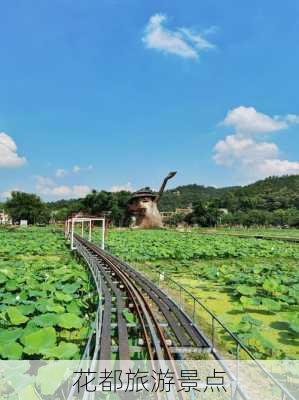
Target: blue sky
{"x":116,"y":93}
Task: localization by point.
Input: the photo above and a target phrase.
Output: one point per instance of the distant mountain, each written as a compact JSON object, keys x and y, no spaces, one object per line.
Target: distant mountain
{"x":274,"y":184}
{"x":187,"y":195}
{"x":269,"y":194}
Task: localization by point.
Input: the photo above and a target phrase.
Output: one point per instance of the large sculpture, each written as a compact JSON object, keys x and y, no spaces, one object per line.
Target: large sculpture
{"x":143,"y":205}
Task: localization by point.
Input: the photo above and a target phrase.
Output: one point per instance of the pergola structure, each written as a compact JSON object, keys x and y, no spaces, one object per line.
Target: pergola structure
{"x":69,"y":229}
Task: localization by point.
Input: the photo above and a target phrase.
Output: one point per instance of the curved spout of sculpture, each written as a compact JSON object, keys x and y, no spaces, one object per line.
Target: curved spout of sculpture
{"x":166,"y":179}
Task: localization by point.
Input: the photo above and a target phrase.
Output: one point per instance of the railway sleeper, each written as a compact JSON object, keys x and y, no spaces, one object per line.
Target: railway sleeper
{"x":184,"y":321}
{"x":188,"y":336}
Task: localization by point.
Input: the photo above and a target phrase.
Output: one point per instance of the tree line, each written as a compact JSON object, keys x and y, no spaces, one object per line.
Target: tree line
{"x":30,"y":207}
{"x":272,"y":201}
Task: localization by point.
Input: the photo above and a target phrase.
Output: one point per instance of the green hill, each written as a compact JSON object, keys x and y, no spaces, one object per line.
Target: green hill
{"x":268,"y":194}
{"x":187,"y":195}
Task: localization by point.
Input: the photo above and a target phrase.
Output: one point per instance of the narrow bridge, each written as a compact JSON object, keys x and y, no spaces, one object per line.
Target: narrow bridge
{"x":160,"y":328}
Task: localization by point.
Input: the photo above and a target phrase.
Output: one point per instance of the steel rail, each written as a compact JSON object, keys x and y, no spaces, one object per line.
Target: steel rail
{"x":136,"y":297}
{"x":124,"y":353}
{"x":158,"y":296}
{"x":157,"y":348}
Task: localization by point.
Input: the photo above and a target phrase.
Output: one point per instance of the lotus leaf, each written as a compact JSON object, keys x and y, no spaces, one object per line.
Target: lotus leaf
{"x":271,"y":305}
{"x":51,"y":376}
{"x":64,"y":351}
{"x":69,"y":321}
{"x":39,"y":342}
{"x":45,"y":320}
{"x":71,"y":288}
{"x":28,"y":392}
{"x":16,"y":316}
{"x":11,"y":285}
{"x":246,"y":290}
{"x":27,"y":309}
{"x":12,"y":351}
{"x":63,"y":297}
{"x":9,"y":335}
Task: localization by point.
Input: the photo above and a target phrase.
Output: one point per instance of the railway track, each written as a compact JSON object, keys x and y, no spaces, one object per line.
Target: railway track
{"x":137,"y":316}
{"x":138,"y":321}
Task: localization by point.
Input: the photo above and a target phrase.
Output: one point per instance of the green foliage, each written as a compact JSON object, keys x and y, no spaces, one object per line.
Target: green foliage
{"x":58,"y":373}
{"x":271,"y":305}
{"x":157,"y":245}
{"x":9,"y":335}
{"x":39,"y":282}
{"x":27,"y":206}
{"x":207,"y":214}
{"x":69,"y":321}
{"x":293,"y":319}
{"x":129,"y":316}
{"x":15,"y":315}
{"x":246,"y":290}
{"x":259,"y":276}
{"x":272,"y":201}
{"x":96,"y":203}
{"x":46,"y":320}
{"x":271,"y":286}
{"x":39,"y":342}
{"x":11,"y":351}
{"x":249,"y":331}
{"x":249,"y":303}
{"x":175,"y":219}
{"x":64,"y":351}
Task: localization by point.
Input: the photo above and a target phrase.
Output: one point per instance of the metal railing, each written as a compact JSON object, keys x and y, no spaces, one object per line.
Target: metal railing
{"x":92,"y":347}
{"x":92,"y":262}
{"x":209,"y":324}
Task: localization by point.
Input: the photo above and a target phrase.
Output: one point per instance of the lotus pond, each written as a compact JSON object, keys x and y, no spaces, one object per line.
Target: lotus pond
{"x":252,"y":285}
{"x":47,"y":303}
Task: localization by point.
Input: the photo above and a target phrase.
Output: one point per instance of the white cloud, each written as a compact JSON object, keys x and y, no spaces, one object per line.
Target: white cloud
{"x":237,"y":148}
{"x":277,"y":167}
{"x":7,"y":194}
{"x":60,"y":191}
{"x":66,"y":191}
{"x":243,"y":151}
{"x":182,"y":42}
{"x":81,"y":190}
{"x":118,"y":188}
{"x":211,"y":30}
{"x":77,"y":168}
{"x":246,"y":120}
{"x":289,"y":118}
{"x":196,"y":39}
{"x":43,"y":181}
{"x":47,"y":187}
{"x":9,"y":157}
{"x":60,"y":173}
